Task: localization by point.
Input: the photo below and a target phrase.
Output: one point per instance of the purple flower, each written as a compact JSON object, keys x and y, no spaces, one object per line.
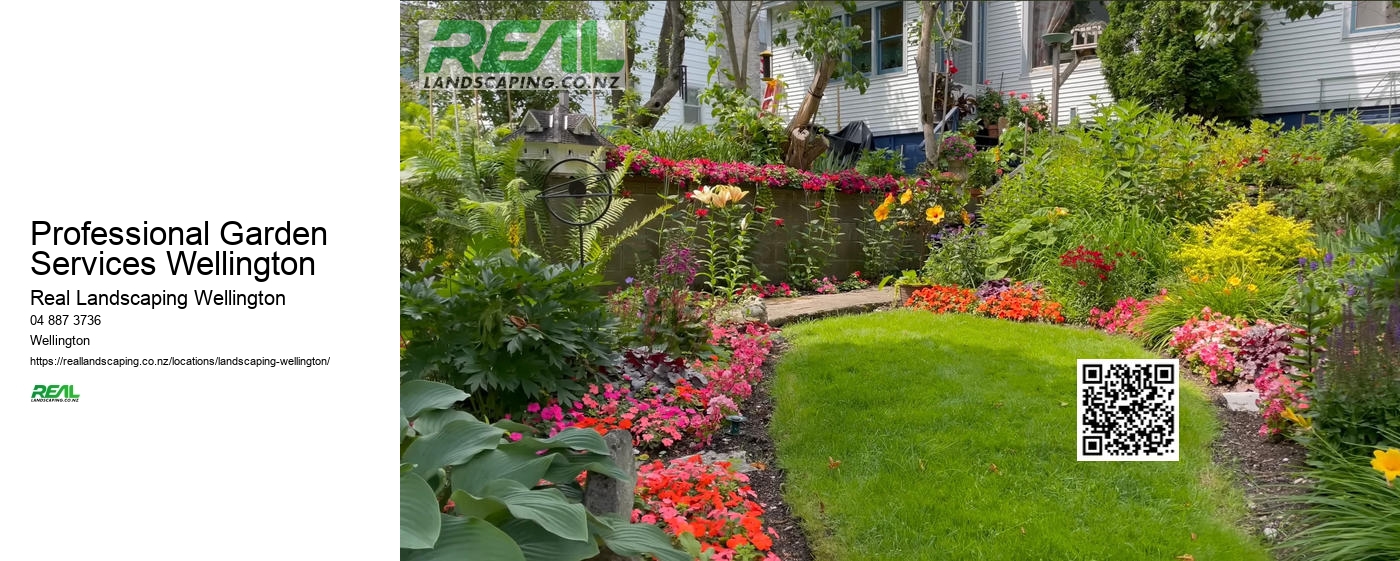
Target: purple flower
{"x":1327,"y":259}
{"x":628,"y":280}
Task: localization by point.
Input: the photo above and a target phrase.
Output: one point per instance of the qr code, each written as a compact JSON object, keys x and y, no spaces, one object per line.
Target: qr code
{"x":1129,"y":410}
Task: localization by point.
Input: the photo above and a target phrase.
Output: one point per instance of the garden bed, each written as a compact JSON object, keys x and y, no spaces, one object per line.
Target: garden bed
{"x":1266,"y":469}
{"x":767,"y":479}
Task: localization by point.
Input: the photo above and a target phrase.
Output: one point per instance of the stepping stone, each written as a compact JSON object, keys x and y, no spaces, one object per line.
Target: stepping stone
{"x":787,"y":310}
{"x":1240,"y":401}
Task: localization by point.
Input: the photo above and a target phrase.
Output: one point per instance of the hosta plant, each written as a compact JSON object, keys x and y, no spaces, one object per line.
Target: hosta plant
{"x":469,"y":490}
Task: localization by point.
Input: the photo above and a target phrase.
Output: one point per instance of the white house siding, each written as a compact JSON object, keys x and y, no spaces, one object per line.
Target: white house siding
{"x":1008,"y":68}
{"x":890,"y":104}
{"x":1296,"y":58}
{"x":697,"y":62}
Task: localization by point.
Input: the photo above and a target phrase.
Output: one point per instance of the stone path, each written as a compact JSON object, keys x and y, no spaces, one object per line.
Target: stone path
{"x":787,"y":310}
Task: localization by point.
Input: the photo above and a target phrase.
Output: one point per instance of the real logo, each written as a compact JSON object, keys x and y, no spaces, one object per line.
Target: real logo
{"x":520,"y":54}
{"x":53,"y":393}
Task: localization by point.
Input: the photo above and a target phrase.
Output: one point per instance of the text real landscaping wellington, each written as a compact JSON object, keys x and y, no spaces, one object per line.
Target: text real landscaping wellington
{"x":178,"y":262}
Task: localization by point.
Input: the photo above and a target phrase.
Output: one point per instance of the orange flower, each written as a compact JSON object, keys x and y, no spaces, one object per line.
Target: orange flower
{"x":762,"y":542}
{"x":882,"y":212}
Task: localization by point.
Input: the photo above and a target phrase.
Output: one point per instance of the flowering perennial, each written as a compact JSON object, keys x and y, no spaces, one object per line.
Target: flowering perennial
{"x":941,"y":299}
{"x":1125,"y":316}
{"x":776,"y":176}
{"x":1022,"y":303}
{"x":1225,"y":351}
{"x":663,"y":418}
{"x":1000,"y":299}
{"x":711,"y":502}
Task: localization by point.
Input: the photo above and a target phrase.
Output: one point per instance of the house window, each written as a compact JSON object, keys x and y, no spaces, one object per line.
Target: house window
{"x":1371,"y":15}
{"x":1058,"y":17}
{"x":881,"y":47}
{"x":765,"y":34}
{"x":691,"y":112}
{"x":890,"y":45}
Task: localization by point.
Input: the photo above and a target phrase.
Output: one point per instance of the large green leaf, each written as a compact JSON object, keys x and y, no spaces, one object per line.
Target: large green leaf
{"x":418,"y":513}
{"x":539,"y":544}
{"x":547,"y":507}
{"x":432,"y":420}
{"x":471,"y":506}
{"x":417,"y":395}
{"x":567,"y":466}
{"x":468,"y":538}
{"x":628,"y":539}
{"x":577,"y":439}
{"x":452,"y":445}
{"x":519,"y":465}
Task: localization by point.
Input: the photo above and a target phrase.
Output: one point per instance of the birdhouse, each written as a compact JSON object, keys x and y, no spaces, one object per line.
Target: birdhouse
{"x":556,"y":134}
{"x":1086,"y":37}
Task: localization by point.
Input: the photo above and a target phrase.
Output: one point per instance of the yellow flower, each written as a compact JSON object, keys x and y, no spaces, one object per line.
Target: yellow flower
{"x":1252,"y":288}
{"x":1234,"y":281}
{"x":889,"y":199}
{"x":1388,"y":463}
{"x":1289,"y":414}
{"x":882,"y":212}
{"x":719,"y":195}
{"x":1226,"y":291}
{"x":1060,"y":211}
{"x":967,"y":218}
{"x":725,"y":194}
{"x":907,"y":196}
{"x":935,"y":214}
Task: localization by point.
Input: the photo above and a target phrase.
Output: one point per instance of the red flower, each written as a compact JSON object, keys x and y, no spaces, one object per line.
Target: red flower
{"x":778,"y":222}
{"x":701,"y":212}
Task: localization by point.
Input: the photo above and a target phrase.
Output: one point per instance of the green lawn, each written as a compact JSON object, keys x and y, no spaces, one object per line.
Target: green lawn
{"x":917,"y":407}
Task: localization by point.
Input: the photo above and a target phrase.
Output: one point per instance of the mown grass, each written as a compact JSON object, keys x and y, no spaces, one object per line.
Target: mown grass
{"x":918,"y":407}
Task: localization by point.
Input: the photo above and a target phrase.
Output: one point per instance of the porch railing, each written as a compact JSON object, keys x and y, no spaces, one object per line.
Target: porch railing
{"x":1361,"y":91}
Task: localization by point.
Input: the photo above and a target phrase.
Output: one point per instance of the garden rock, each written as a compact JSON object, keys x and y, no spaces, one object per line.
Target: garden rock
{"x":738,"y":459}
{"x":1240,"y":401}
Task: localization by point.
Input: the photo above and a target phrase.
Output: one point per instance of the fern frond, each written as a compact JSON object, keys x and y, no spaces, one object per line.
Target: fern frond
{"x":606,"y":249}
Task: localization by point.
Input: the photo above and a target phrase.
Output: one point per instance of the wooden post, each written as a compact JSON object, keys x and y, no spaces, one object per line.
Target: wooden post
{"x":605,"y":495}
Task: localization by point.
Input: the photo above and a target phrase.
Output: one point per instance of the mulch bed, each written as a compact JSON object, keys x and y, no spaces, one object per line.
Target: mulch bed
{"x":756,"y":442}
{"x":1266,"y":468}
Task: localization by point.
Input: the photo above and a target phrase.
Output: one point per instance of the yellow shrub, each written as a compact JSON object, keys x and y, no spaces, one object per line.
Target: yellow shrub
{"x":1247,"y":236}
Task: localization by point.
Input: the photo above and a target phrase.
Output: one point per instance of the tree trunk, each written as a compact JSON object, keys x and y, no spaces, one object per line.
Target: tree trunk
{"x":670,"y":56}
{"x":736,"y":46}
{"x":928,"y":119}
{"x":799,"y":152}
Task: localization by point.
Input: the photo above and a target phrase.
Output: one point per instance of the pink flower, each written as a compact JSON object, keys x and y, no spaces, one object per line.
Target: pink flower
{"x":1025,"y":96}
{"x":1025,"y":109}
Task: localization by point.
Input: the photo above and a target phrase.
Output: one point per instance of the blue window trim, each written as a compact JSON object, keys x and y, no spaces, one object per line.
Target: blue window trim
{"x":1353,"y":30}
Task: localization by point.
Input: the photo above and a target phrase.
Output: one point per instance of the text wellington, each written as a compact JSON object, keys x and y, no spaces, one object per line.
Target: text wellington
{"x":217,"y":263}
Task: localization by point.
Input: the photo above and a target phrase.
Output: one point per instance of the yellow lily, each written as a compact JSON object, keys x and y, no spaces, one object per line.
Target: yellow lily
{"x":1388,"y":463}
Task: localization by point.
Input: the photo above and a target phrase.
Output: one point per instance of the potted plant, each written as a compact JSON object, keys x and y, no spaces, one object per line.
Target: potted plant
{"x":956,"y":152}
{"x":906,"y":285}
{"x":991,"y":108}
